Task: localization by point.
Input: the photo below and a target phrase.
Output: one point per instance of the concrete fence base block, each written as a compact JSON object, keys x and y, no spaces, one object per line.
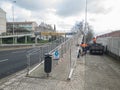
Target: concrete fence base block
{"x":68,"y":79}
{"x":28,"y":73}
{"x":70,"y":75}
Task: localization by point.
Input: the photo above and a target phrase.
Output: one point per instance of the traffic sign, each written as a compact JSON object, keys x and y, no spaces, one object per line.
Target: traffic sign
{"x":70,"y":33}
{"x":56,"y":55}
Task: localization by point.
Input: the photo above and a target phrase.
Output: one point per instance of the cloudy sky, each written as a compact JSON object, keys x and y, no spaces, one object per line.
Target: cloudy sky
{"x":103,"y":15}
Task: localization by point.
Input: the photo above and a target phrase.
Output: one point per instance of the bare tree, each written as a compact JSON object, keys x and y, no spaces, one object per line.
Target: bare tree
{"x":78,"y":27}
{"x":88,"y":32}
{"x":89,"y":35}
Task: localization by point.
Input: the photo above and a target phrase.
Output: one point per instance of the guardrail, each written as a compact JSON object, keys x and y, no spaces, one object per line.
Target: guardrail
{"x":15,"y":34}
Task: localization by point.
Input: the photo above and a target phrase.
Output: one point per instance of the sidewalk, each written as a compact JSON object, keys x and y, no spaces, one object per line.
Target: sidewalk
{"x":56,"y":81}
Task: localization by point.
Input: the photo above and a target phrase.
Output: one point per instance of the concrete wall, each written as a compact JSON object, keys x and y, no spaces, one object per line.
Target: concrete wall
{"x":2,"y":21}
{"x":112,"y":44}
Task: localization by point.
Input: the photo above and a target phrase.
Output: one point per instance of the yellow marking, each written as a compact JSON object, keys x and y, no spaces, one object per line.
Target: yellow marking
{"x":51,"y":33}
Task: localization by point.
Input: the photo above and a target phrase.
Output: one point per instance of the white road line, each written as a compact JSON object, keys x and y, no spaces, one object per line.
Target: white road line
{"x":3,"y":60}
{"x":19,"y":51}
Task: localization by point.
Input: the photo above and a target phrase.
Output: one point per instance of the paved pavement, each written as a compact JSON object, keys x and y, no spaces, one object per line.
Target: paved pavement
{"x":102,"y":73}
{"x":91,"y":72}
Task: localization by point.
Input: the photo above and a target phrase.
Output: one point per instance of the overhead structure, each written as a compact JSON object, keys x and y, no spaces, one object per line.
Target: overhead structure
{"x":53,"y":33}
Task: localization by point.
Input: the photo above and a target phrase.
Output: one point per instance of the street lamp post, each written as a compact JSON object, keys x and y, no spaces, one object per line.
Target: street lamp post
{"x":85,"y":29}
{"x":13,"y":18}
{"x":13,"y":15}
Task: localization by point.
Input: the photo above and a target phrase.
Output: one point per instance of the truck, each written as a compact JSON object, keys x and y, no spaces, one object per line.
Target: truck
{"x":96,"y":48}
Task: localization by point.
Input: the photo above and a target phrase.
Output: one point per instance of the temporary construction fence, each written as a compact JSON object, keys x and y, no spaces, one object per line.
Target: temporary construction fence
{"x":64,"y":58}
{"x":35,"y":56}
{"x":63,"y":68}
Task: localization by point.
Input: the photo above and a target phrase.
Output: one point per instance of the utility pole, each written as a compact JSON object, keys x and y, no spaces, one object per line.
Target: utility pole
{"x":13,"y":18}
{"x":13,"y":15}
{"x":85,"y":29}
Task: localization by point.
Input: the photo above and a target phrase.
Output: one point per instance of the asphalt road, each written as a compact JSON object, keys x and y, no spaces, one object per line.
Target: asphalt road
{"x":12,"y":61}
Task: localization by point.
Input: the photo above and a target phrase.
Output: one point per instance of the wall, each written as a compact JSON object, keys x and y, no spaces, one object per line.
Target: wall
{"x":2,"y":21}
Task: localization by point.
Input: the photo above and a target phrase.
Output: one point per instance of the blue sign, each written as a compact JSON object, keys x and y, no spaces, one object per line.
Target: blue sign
{"x":56,"y":55}
{"x":71,"y":33}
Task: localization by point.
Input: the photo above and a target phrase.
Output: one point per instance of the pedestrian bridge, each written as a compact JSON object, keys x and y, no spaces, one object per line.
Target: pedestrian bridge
{"x":16,"y":35}
{"x":38,"y":33}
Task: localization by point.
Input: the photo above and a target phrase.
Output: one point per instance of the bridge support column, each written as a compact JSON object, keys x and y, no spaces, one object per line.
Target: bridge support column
{"x":15,"y":40}
{"x":36,"y":40}
{"x":0,"y":40}
{"x":26,"y":39}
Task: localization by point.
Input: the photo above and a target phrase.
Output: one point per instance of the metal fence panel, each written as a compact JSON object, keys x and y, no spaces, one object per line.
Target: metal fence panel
{"x":66,"y":49}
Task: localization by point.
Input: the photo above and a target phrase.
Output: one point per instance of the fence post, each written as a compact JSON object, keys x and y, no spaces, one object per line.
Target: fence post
{"x":62,"y":51}
{"x":70,"y":55}
{"x":119,"y":52}
{"x":28,"y":64}
{"x":39,"y":54}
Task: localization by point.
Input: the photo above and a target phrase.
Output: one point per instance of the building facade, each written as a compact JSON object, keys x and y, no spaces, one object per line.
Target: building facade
{"x":44,"y":28}
{"x":2,"y":21}
{"x":111,"y":34}
{"x":21,"y":27}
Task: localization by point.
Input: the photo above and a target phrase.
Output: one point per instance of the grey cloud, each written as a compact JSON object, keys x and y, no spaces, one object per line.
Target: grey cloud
{"x":33,"y":5}
{"x":70,"y":7}
{"x":95,"y":6}
{"x":63,"y":8}
{"x":73,"y":7}
{"x":92,"y":19}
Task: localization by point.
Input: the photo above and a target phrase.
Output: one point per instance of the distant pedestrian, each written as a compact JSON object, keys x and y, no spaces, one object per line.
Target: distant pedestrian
{"x":94,"y":40}
{"x":84,"y":48}
{"x":79,"y":53}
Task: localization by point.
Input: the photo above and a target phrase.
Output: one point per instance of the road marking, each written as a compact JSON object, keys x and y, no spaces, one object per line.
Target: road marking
{"x":19,"y":51}
{"x":3,"y":60}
